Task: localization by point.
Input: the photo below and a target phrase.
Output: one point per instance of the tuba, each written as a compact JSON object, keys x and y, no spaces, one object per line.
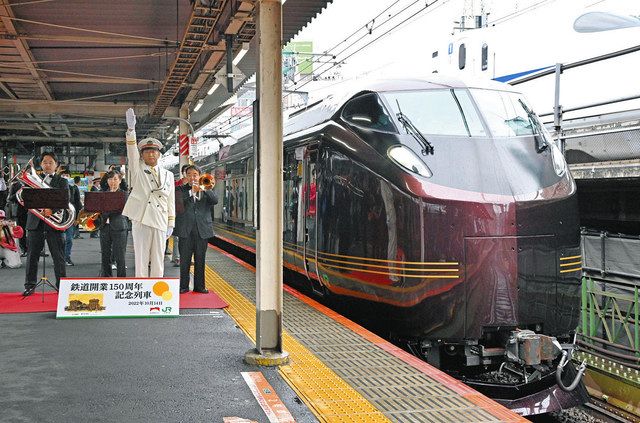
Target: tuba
{"x":60,"y":220}
{"x":207,"y":181}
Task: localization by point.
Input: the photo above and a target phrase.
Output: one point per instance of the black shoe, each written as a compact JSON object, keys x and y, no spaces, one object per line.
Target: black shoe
{"x":28,"y":291}
{"x":201,"y":291}
{"x":69,"y":262}
{"x":183,"y":290}
{"x":23,"y":254}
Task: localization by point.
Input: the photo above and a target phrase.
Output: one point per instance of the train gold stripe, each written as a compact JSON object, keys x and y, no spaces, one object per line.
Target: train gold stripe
{"x":390,"y":274}
{"x":577,"y":269}
{"x":570,"y":258}
{"x":378,"y":266}
{"x":429,"y":263}
{"x":238,"y":235}
{"x":573,"y":263}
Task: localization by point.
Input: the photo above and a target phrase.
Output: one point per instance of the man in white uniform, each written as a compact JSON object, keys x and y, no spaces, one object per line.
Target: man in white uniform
{"x":151,"y":202}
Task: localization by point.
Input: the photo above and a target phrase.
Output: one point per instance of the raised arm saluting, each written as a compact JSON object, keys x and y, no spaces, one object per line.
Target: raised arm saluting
{"x":151,"y":202}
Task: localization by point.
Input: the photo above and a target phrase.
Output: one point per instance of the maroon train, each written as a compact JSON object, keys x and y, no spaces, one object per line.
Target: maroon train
{"x":442,"y":214}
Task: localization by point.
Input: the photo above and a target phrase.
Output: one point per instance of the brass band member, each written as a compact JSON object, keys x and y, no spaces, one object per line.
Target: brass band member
{"x":38,"y":231}
{"x":151,"y":202}
{"x":113,"y":232}
{"x":193,"y":228}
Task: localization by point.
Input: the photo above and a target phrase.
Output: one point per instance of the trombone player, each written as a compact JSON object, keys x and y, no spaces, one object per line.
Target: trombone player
{"x":194,"y":226}
{"x":151,"y":202}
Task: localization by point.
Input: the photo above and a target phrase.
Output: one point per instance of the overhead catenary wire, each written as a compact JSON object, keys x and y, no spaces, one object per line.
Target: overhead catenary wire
{"x":352,"y":44}
{"x":368,"y":31}
{"x":426,"y":7}
{"x":517,"y":13}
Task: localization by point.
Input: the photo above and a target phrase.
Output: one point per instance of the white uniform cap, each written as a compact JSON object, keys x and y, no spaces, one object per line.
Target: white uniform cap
{"x":149,"y":143}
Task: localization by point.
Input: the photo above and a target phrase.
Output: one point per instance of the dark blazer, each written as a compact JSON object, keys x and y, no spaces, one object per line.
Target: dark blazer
{"x":74,"y":198}
{"x":34,"y":223}
{"x":196,"y":214}
{"x":117,"y":221}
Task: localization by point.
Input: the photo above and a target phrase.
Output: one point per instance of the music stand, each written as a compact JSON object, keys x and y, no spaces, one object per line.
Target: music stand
{"x":50,"y":198}
{"x":99,"y":201}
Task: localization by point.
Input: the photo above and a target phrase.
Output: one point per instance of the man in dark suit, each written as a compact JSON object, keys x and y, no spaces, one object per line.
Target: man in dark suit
{"x":38,"y":231}
{"x":74,"y":199}
{"x":193,"y":228}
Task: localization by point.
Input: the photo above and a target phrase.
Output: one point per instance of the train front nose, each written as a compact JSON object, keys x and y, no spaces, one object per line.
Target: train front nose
{"x":524,"y":272}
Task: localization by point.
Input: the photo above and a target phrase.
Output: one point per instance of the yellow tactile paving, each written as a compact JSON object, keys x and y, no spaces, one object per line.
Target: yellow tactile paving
{"x":328,"y":396}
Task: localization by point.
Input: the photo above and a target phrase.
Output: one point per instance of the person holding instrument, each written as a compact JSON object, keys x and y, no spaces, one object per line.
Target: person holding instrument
{"x":194,"y":227}
{"x":38,"y":230}
{"x":151,"y":203}
{"x":113,"y":232}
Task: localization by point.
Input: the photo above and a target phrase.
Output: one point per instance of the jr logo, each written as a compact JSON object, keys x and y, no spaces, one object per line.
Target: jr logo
{"x":166,"y":310}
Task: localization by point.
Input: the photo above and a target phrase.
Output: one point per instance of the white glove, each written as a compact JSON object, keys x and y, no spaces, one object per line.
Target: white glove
{"x":131,"y":119}
{"x":169,"y":231}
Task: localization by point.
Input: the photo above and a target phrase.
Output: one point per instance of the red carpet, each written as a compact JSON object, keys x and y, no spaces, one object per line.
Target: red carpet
{"x":193,"y":300}
{"x":14,"y":302}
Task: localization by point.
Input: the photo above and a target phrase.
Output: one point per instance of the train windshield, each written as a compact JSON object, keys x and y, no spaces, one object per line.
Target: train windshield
{"x":506,"y":114}
{"x":438,"y":112}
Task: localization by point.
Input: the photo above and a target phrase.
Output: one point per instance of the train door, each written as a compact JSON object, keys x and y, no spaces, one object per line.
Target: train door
{"x":309,"y":212}
{"x":292,"y":231}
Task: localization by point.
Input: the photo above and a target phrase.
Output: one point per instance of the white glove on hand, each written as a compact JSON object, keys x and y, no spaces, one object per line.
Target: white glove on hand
{"x":131,"y":119}
{"x":169,"y":231}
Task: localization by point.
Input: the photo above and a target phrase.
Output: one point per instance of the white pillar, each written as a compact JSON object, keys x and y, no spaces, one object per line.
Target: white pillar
{"x":183,"y":137}
{"x":269,"y":234}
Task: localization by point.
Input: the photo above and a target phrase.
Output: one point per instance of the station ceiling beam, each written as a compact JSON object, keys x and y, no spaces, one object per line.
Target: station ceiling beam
{"x":81,"y":108}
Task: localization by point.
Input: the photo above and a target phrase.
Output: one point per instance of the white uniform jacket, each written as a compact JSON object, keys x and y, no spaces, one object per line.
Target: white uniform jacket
{"x":150,"y":202}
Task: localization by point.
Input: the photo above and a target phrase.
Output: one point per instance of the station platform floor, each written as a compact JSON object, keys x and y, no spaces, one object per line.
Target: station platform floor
{"x":191,"y":368}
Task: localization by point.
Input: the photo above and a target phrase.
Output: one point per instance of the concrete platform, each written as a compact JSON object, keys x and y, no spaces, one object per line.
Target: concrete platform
{"x":186,"y":369}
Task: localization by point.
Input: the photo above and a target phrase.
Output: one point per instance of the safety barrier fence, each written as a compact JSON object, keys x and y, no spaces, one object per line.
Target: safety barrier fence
{"x":610,"y":321}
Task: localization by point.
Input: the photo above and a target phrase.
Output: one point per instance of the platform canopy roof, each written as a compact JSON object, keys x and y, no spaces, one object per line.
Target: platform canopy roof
{"x":70,"y":68}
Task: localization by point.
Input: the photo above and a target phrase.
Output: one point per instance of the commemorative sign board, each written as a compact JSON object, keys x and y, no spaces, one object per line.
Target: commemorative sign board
{"x":118,"y":297}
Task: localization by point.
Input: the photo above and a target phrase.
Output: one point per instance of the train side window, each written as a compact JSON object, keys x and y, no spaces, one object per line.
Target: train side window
{"x":367,"y":111}
{"x":462,"y":56}
{"x":485,"y":56}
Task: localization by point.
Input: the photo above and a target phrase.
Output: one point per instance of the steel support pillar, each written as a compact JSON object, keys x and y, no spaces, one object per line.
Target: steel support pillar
{"x":268,"y":351}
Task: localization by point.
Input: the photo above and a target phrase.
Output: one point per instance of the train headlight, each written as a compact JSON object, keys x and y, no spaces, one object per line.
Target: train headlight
{"x":409,"y":160}
{"x":559,"y":163}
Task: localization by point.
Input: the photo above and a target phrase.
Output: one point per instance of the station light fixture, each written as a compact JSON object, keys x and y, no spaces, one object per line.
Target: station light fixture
{"x":213,"y":88}
{"x":175,"y":131}
{"x":241,"y":53}
{"x":198,"y":105}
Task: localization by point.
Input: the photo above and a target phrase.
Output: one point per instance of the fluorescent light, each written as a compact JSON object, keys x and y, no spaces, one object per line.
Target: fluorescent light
{"x":198,"y":105}
{"x":175,"y":131}
{"x":241,"y":53}
{"x":213,"y":88}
